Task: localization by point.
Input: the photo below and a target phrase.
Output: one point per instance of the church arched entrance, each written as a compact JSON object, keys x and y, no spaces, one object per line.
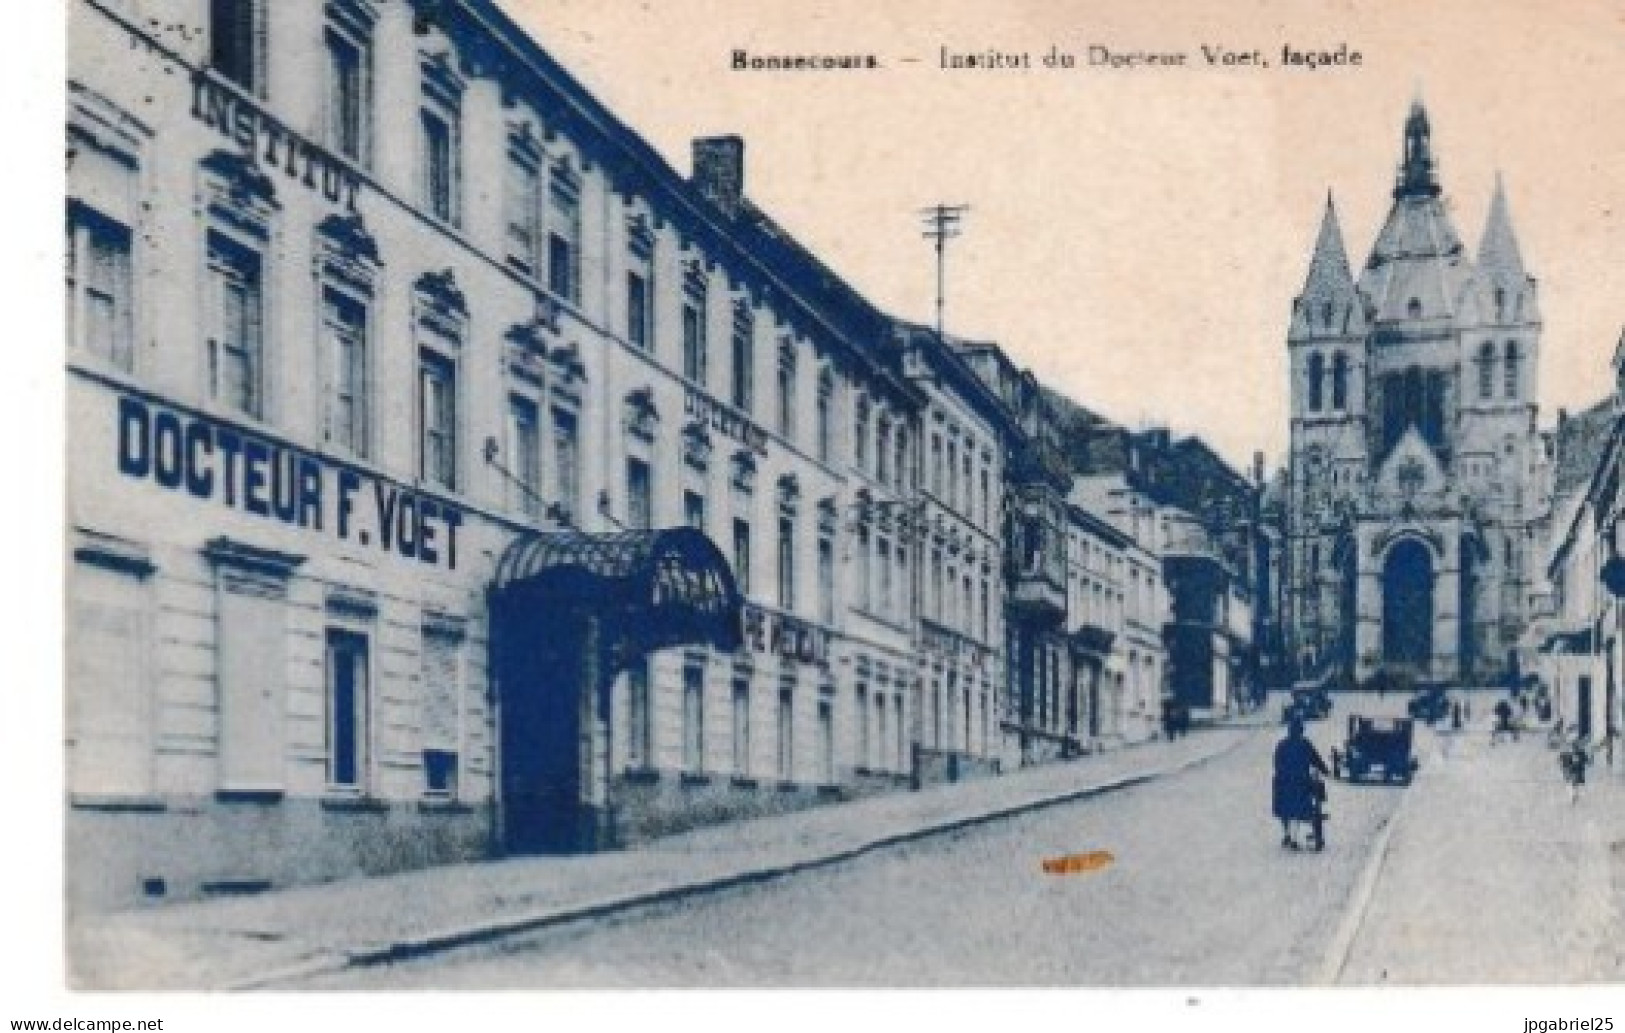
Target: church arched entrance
{"x":1407,"y":605}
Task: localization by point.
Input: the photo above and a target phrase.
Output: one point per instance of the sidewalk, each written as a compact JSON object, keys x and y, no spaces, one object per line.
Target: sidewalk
{"x":1492,"y":876}
{"x":254,"y":942}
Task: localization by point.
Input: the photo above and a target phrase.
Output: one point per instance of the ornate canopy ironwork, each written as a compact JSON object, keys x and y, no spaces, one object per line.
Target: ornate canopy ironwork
{"x":662,"y":587}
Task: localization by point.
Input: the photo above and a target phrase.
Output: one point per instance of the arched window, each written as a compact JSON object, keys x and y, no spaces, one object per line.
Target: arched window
{"x":1414,"y":309}
{"x":1486,"y":371}
{"x":1317,"y":373}
{"x":1326,"y":314}
{"x":1512,"y":369}
{"x":1340,"y":381}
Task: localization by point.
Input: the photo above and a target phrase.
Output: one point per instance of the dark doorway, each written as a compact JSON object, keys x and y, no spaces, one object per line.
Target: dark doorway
{"x":571,"y":611}
{"x":1407,"y":605}
{"x":1583,"y":718}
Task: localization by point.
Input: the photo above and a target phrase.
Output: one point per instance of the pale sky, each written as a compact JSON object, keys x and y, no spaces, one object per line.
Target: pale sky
{"x":1136,"y":237}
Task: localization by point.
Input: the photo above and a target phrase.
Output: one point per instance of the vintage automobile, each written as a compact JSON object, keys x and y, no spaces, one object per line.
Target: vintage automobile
{"x":1376,"y":743}
{"x":1310,"y":703}
{"x":1429,"y":705}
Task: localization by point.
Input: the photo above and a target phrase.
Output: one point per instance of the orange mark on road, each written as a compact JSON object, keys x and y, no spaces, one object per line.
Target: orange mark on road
{"x":1073,"y":864}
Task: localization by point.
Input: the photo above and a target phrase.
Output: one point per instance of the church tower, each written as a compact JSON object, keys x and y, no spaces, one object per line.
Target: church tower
{"x":1413,"y":441}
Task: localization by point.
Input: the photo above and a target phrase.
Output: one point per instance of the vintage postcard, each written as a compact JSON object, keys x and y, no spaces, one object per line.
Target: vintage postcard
{"x":1081,"y":494}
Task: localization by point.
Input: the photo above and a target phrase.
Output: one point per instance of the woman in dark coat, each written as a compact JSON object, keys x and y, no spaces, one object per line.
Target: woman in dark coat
{"x":1298,"y":789}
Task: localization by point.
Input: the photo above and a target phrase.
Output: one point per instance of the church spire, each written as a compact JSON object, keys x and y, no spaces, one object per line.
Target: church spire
{"x":1329,"y":275}
{"x":1416,"y":177}
{"x":1498,"y":256}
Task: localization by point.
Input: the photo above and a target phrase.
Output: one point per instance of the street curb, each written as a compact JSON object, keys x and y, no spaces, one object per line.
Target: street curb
{"x":1342,"y":944}
{"x":449,"y":939}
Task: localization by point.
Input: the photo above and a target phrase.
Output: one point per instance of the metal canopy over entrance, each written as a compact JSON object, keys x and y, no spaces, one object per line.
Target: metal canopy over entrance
{"x":665,"y":588}
{"x":570,"y":611}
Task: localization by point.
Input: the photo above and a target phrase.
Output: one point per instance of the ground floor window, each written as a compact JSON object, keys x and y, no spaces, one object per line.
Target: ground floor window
{"x":786,"y":734}
{"x":741,"y":726}
{"x":826,"y":741}
{"x":640,"y":740}
{"x":693,"y":718}
{"x":347,"y":709}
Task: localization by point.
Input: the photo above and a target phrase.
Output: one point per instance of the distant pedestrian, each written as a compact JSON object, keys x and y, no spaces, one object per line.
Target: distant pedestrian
{"x":1574,"y":760}
{"x":1503,"y":722}
{"x":1455,"y":715}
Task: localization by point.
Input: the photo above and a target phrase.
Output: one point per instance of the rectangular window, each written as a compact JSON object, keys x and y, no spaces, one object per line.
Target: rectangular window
{"x":903,"y":587}
{"x":525,"y":455}
{"x":344,"y":322}
{"x":564,"y":235}
{"x":639,"y":495}
{"x":99,"y":287}
{"x":826,"y":402}
{"x":440,"y":165}
{"x":883,"y":453}
{"x":442,"y":687}
{"x":694,"y":510}
{"x":694,"y":358}
{"x":742,"y":556}
{"x":234,"y":42}
{"x":900,"y":733}
{"x":787,"y":397}
{"x":883,"y":561}
{"x":693,"y":718}
{"x":865,"y":575}
{"x":742,"y":362}
{"x":787,"y":563}
{"x":741,"y":727}
{"x":347,"y":710}
{"x":786,"y":735}
{"x":236,"y":343}
{"x":348,"y":84}
{"x":637,"y":310}
{"x":826,"y":580}
{"x":437,"y":419}
{"x":826,"y":741}
{"x":882,"y":739}
{"x":566,"y":450}
{"x":109,"y":691}
{"x":523,"y":210}
{"x":863,"y":726}
{"x":640,"y":741}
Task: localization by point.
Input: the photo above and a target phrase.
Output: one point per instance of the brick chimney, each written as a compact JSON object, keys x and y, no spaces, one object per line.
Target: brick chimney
{"x":719,"y":171}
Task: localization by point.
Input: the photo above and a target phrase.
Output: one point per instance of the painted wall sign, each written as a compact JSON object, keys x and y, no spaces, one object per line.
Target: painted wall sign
{"x":270,"y":143}
{"x":725,"y":421}
{"x":219,"y":463}
{"x":786,"y":636}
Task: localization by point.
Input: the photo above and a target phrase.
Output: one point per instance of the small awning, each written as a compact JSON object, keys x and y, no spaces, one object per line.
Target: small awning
{"x":665,"y":587}
{"x":1570,"y":643}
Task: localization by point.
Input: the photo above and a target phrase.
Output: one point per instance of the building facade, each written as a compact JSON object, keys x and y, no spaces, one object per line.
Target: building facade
{"x":1410,"y":515}
{"x":448,"y":475}
{"x":957,"y":533}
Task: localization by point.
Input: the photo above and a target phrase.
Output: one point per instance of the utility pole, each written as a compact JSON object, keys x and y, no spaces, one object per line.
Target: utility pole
{"x":941,"y":223}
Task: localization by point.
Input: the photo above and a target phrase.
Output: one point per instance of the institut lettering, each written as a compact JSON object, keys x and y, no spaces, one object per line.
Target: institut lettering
{"x":270,"y":143}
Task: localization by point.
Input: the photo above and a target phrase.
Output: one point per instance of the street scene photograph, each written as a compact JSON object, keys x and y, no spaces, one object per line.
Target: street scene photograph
{"x":609,"y":496}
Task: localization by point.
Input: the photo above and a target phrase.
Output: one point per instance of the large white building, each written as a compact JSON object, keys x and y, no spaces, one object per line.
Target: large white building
{"x":450,"y":477}
{"x":401,"y":375}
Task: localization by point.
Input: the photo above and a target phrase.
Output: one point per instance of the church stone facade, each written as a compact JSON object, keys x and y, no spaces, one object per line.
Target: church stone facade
{"x":1415,"y":457}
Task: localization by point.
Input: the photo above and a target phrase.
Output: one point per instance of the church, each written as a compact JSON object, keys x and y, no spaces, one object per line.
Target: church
{"x":1415,"y":465}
